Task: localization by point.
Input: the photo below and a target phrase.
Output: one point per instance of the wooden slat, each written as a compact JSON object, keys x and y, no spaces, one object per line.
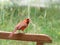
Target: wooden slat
{"x":26,"y":37}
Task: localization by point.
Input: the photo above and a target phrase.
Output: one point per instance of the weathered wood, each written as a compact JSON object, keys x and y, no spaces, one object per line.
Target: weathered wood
{"x":27,"y":37}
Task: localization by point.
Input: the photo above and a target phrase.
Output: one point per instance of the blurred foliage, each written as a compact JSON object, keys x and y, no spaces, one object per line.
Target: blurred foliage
{"x":46,"y":21}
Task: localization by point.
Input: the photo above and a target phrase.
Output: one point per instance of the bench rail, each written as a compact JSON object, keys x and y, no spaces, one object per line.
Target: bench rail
{"x":39,"y":38}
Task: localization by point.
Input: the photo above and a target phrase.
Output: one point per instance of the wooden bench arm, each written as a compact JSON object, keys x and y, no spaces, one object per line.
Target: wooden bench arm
{"x":27,"y":37}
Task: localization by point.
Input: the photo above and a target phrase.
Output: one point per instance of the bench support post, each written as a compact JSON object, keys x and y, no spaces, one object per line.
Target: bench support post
{"x":39,"y":43}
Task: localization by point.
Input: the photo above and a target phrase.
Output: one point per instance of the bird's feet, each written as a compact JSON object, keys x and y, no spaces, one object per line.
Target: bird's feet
{"x":20,"y":31}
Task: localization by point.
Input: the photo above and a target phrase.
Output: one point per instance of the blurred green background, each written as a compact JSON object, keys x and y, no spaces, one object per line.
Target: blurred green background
{"x":44,"y":21}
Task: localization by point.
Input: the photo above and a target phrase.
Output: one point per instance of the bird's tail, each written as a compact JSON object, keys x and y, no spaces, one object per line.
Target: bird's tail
{"x":12,"y":33}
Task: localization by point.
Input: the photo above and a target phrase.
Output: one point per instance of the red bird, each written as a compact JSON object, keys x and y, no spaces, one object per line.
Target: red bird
{"x":20,"y":26}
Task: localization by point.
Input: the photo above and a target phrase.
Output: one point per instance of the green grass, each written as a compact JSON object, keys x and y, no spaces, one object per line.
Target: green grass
{"x":49,"y":25}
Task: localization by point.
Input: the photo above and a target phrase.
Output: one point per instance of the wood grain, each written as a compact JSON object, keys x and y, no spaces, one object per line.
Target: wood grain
{"x":26,"y":37}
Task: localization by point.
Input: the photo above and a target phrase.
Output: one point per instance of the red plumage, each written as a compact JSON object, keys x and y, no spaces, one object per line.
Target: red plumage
{"x":20,"y":26}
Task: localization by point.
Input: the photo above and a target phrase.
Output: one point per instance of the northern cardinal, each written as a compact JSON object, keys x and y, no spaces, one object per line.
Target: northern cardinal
{"x":20,"y":26}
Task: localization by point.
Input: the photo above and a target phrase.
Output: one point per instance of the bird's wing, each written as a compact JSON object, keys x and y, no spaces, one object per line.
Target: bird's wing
{"x":20,"y":25}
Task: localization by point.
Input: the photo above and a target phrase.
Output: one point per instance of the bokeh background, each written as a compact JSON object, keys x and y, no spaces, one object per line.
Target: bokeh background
{"x":44,"y":15}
